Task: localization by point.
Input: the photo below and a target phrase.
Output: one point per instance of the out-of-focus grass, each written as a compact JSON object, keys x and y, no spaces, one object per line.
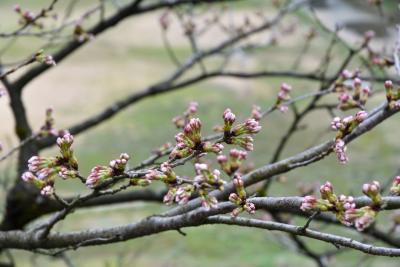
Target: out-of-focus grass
{"x":107,"y":70}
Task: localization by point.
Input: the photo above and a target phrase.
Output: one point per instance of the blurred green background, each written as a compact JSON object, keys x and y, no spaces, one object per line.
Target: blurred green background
{"x":131,"y":56}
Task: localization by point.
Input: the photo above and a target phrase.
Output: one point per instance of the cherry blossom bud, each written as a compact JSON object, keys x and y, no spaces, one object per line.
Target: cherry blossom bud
{"x":193,"y":106}
{"x":208,"y":201}
{"x":372,"y":190}
{"x":17,"y":8}
{"x":45,"y":173}
{"x":395,"y":189}
{"x":362,"y":218}
{"x":48,"y":60}
{"x":234,"y":198}
{"x":193,"y":130}
{"x":215,"y":148}
{"x":256,"y":113}
{"x":65,"y":141}
{"x":200,"y":167}
{"x":340,"y":149}
{"x":286,"y":88}
{"x":245,"y":142}
{"x":250,"y":207}
{"x":238,"y":154}
{"x":357,"y":82}
{"x":37,"y":163}
{"x":344,"y":97}
{"x":28,"y":177}
{"x":326,"y":191}
{"x":229,"y":117}
{"x":309,"y":203}
{"x":361,"y":116}
{"x":250,"y":126}
{"x":119,"y":165}
{"x":29,"y":16}
{"x":154,"y":175}
{"x":283,"y":108}
{"x":169,"y":197}
{"x":47,"y":190}
{"x":183,"y":194}
{"x":347,"y":120}
{"x":236,"y":212}
{"x":346,"y":74}
{"x":337,"y":124}
{"x":388,"y":85}
{"x":222,"y":159}
{"x":347,"y":202}
{"x":97,"y":175}
{"x":66,"y":173}
{"x":366,"y":90}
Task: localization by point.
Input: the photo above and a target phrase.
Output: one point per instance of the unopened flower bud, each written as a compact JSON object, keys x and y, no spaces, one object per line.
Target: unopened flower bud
{"x":229,"y":117}
{"x":47,"y":190}
{"x":361,"y":116}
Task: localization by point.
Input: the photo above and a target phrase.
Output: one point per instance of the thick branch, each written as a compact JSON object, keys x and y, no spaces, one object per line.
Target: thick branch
{"x":298,"y":230}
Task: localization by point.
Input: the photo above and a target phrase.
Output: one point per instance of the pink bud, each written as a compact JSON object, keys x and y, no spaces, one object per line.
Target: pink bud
{"x":361,"y":116}
{"x":283,"y":108}
{"x":222,"y":159}
{"x":286,"y":88}
{"x":28,"y":177}
{"x":47,"y":190}
{"x":388,"y":84}
{"x":228,"y":116}
{"x":366,"y":90}
{"x":357,"y":82}
{"x":17,"y":8}
{"x":346,"y":74}
{"x":201,"y":167}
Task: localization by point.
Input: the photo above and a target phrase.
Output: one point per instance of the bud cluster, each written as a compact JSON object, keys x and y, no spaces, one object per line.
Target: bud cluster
{"x":240,"y":134}
{"x":240,"y":198}
{"x":205,"y":181}
{"x":344,"y":206}
{"x":43,"y":169}
{"x":392,"y":95}
{"x":99,"y":173}
{"x":166,"y":175}
{"x":372,"y":191}
{"x":354,"y":95}
{"x":232,"y":163}
{"x":190,"y":141}
{"x":344,"y":127}
{"x":362,"y":218}
{"x":283,"y":96}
